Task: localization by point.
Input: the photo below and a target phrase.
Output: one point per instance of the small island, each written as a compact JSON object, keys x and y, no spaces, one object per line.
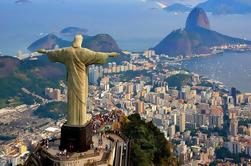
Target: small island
{"x":72,"y":31}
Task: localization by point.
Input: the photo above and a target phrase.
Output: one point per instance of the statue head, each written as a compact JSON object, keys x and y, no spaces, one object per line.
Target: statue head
{"x":77,"y":43}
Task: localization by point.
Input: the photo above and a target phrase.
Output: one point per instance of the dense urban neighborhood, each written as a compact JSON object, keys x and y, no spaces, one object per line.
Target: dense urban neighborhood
{"x":206,"y":122}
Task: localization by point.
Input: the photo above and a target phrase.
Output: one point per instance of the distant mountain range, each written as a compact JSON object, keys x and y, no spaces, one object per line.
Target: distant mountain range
{"x":100,"y":42}
{"x":195,"y":38}
{"x":227,"y":6}
{"x":177,"y":7}
{"x":216,"y":7}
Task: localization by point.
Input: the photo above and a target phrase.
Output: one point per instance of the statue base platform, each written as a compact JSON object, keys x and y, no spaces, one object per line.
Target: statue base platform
{"x":76,"y":138}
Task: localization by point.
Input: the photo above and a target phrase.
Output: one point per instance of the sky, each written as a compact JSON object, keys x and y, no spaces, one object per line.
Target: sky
{"x":168,"y":2}
{"x":135,"y":24}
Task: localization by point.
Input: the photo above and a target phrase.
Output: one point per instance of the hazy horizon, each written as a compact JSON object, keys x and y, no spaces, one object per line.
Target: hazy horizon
{"x":134,"y":24}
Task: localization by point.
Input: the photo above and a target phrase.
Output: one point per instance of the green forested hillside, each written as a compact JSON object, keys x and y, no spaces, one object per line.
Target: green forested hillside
{"x":148,"y":145}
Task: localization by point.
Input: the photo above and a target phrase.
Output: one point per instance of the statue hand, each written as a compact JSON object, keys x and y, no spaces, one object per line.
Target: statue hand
{"x":42,"y":51}
{"x":113,"y":54}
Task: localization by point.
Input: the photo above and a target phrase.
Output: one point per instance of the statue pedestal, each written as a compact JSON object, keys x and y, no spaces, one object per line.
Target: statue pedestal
{"x":76,"y":138}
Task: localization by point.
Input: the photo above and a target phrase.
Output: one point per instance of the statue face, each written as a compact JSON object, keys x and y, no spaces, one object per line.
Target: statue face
{"x":77,"y":43}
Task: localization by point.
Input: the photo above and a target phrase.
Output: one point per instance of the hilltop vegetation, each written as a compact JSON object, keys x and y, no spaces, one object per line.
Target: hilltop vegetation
{"x":148,"y":144}
{"x":178,"y":80}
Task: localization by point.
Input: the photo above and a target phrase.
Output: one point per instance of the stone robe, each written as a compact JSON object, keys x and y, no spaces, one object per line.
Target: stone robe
{"x":77,"y":61}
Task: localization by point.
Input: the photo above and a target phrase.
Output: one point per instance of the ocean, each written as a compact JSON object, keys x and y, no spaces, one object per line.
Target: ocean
{"x":233,"y":69}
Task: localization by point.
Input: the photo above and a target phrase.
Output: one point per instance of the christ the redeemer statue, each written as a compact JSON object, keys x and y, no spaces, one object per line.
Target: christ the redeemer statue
{"x":77,"y":59}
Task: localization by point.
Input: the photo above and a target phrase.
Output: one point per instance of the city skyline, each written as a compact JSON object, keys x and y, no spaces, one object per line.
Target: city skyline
{"x":178,"y":92}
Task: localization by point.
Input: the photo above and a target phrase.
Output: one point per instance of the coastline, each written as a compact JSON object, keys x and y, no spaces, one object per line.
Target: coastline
{"x":231,"y":75}
{"x":215,"y":54}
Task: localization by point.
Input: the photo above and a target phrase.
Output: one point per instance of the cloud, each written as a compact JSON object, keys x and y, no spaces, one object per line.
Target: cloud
{"x":161,"y":5}
{"x":187,"y":2}
{"x":246,"y":1}
{"x":22,"y":1}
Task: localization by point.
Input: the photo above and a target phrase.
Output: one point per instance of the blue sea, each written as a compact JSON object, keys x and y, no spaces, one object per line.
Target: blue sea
{"x":233,"y":69}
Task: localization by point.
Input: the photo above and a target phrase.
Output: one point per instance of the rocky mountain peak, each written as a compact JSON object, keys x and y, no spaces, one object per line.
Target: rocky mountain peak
{"x":197,"y":18}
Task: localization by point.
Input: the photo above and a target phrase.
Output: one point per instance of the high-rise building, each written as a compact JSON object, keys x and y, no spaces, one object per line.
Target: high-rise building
{"x":232,"y":113}
{"x":160,"y":89}
{"x":230,"y":100}
{"x":196,"y":79}
{"x":215,"y":121}
{"x":134,"y":67}
{"x":126,"y":68}
{"x":248,"y":150}
{"x":182,"y":122}
{"x":239,"y":99}
{"x":173,"y":118}
{"x":114,"y":67}
{"x":234,"y":127}
{"x":193,"y":93}
{"x":122,"y":68}
{"x":104,"y":83}
{"x":57,"y":94}
{"x":48,"y":91}
{"x":110,"y":65}
{"x":101,"y":71}
{"x":106,"y":70}
{"x":200,"y":120}
{"x":54,"y":94}
{"x":94,"y":74}
{"x":234,"y":94}
{"x":171,"y":131}
{"x":233,"y":147}
{"x":130,"y":67}
{"x":140,"y":107}
{"x":129,"y":88}
{"x":248,"y":132}
{"x":182,"y":152}
{"x":216,"y":118}
{"x":149,"y":53}
{"x":118,"y":69}
{"x":120,"y":88}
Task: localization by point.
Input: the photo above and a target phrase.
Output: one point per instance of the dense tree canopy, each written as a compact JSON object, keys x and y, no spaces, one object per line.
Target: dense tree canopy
{"x":148,"y":144}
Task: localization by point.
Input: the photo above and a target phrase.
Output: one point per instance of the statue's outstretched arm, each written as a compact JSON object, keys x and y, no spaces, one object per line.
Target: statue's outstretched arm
{"x":54,"y":55}
{"x":109,"y":54}
{"x":113,"y":54}
{"x":42,"y":51}
{"x":92,"y":57}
